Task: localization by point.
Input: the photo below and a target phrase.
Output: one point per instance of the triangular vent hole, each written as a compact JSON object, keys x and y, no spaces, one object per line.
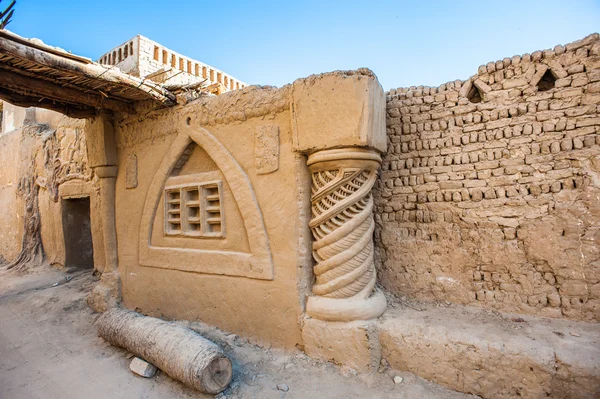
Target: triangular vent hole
{"x":547,"y":81}
{"x":474,"y":95}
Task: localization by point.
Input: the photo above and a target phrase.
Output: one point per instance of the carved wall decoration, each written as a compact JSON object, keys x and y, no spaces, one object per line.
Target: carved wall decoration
{"x":256,"y":263}
{"x":266,"y":149}
{"x":342,"y":226}
{"x":131,"y":172}
{"x":65,"y":158}
{"x":194,"y":206}
{"x":32,"y":252}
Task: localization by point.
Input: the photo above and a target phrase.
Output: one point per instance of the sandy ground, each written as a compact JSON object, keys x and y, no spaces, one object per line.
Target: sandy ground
{"x":49,"y":349}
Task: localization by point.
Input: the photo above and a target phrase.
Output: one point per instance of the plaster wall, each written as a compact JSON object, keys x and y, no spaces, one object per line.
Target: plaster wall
{"x":128,"y":62}
{"x":51,"y":149}
{"x":263,"y":302}
{"x":10,"y":217}
{"x":496,"y":203}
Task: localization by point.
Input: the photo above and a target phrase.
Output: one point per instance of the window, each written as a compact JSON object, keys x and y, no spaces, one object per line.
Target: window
{"x":181,"y":61}
{"x":126,"y":51}
{"x":194,"y":210}
{"x":212,"y":75}
{"x":189,"y":67}
{"x":130,"y":48}
{"x":197,"y":70}
{"x":156,"y":53}
{"x":173,"y":61}
{"x":165,"y":57}
{"x":219,"y":77}
{"x":204,"y":75}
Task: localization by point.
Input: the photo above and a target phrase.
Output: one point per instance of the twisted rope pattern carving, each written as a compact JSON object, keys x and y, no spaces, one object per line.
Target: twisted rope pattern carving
{"x":342,"y":225}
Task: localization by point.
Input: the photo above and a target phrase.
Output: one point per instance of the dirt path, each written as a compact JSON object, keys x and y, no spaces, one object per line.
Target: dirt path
{"x":49,"y":349}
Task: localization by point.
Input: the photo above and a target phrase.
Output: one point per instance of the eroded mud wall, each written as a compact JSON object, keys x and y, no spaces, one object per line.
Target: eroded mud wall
{"x":489,"y":194}
{"x":12,"y":207}
{"x":43,"y":159}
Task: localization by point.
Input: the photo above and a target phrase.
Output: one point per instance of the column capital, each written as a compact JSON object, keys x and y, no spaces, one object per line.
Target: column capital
{"x":338,"y":109}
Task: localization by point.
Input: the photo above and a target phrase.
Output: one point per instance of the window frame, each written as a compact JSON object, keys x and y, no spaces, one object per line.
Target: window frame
{"x":206,"y":219}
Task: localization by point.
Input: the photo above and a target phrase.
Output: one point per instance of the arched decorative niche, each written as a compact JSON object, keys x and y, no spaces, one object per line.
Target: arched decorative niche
{"x":203,"y":256}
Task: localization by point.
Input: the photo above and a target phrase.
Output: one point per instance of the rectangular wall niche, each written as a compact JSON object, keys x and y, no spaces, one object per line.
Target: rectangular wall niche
{"x":194,"y":210}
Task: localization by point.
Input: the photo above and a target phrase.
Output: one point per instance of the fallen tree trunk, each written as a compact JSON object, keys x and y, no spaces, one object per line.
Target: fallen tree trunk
{"x":181,"y":353}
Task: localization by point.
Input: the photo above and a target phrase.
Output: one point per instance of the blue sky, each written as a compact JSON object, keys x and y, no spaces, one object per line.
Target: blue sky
{"x":274,"y":42}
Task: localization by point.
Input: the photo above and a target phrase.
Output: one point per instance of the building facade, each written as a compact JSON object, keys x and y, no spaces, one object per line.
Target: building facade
{"x":146,"y":58}
{"x":452,"y":231}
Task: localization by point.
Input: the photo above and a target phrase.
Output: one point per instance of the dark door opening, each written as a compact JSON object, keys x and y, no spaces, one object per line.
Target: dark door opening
{"x":77,"y":230}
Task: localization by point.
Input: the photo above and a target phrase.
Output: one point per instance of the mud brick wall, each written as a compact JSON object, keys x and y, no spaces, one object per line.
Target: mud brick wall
{"x":489,"y":194}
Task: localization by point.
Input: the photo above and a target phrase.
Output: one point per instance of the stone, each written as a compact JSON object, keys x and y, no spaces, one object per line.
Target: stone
{"x":398,"y":379}
{"x":232,"y":340}
{"x":142,"y":368}
{"x":283,"y":387}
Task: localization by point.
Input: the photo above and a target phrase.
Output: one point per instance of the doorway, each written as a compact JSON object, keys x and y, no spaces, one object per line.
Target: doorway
{"x":77,"y":229}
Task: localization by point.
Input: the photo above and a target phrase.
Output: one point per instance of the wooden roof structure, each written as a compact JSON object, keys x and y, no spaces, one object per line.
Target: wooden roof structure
{"x":33,"y":74}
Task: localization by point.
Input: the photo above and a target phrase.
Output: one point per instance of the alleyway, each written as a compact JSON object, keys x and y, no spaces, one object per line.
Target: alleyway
{"x":49,"y":349}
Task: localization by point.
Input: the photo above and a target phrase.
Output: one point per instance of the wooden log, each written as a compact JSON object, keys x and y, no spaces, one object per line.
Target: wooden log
{"x":75,"y":111}
{"x":41,"y":88}
{"x":17,"y":46}
{"x":181,"y":353}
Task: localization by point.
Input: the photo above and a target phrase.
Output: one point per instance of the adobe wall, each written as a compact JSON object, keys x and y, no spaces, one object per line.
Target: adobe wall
{"x":218,"y":200}
{"x":49,"y":150}
{"x":251,"y":279}
{"x":10,"y":217}
{"x":184,"y":70}
{"x":496,"y":203}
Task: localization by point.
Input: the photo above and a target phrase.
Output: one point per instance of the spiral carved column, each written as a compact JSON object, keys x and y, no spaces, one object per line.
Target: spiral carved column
{"x":342,"y":226}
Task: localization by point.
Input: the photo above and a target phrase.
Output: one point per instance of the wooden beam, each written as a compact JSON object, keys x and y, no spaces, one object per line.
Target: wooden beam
{"x":40,"y":88}
{"x":21,"y":49}
{"x":26,"y":101}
